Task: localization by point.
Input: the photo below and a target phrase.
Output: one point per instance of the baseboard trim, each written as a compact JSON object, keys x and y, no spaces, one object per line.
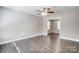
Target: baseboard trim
{"x":53,"y":32}
{"x":19,"y":39}
{"x":72,"y":39}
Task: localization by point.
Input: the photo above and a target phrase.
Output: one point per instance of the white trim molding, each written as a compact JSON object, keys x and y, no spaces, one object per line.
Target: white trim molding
{"x":26,"y":37}
{"x":72,"y":39}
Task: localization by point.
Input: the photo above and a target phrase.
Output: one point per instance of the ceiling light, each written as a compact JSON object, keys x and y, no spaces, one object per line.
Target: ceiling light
{"x":44,"y":13}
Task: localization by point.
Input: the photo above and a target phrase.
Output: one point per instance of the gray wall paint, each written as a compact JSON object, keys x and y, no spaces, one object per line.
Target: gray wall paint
{"x":14,"y":25}
{"x":70,"y":25}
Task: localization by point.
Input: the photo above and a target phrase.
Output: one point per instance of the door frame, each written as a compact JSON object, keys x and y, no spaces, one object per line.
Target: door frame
{"x":56,"y":19}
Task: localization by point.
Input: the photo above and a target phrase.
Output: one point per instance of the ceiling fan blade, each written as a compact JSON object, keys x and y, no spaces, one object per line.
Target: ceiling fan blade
{"x":51,"y":12}
{"x":39,"y":11}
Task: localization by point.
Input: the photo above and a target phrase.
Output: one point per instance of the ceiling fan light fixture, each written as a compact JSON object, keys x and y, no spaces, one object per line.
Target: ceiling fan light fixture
{"x":44,"y":13}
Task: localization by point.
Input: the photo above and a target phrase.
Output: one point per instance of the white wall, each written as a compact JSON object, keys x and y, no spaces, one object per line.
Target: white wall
{"x":16,"y":25}
{"x":70,"y":25}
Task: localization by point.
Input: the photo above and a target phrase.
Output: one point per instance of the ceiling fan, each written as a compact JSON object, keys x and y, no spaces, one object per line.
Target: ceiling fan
{"x":45,"y":11}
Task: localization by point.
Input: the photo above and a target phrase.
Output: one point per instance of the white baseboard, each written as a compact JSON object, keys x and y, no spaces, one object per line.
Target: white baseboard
{"x":53,"y":32}
{"x":4,"y":42}
{"x":67,"y":38}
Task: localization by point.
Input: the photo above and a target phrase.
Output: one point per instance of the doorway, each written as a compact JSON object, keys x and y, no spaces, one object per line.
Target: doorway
{"x":53,"y":26}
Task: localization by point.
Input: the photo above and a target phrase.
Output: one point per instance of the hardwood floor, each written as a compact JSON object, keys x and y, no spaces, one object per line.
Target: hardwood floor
{"x":8,"y":48}
{"x":41,"y":44}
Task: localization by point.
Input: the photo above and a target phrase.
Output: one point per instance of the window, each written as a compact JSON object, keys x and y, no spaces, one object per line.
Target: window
{"x":58,"y":25}
{"x":48,"y":25}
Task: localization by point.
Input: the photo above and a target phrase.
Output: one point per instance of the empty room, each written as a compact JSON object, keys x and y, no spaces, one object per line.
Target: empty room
{"x":39,"y":29}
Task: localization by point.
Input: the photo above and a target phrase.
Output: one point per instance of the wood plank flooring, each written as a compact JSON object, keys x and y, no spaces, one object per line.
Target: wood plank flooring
{"x":41,"y":44}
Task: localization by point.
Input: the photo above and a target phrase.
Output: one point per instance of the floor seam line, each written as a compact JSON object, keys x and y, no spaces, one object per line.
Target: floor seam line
{"x":16,"y":47}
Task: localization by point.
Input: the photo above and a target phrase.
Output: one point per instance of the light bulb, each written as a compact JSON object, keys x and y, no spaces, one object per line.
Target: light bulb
{"x":44,"y":13}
